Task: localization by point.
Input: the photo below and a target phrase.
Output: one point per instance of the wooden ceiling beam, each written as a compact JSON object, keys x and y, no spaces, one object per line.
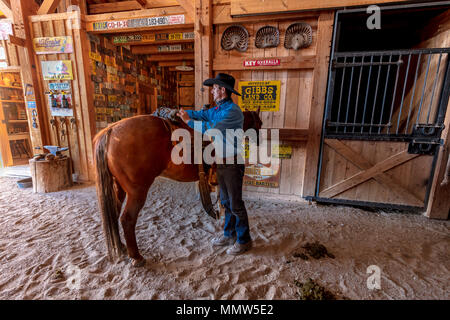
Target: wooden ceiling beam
{"x":170,"y":57}
{"x":175,"y":63}
{"x":165,"y":42}
{"x":143,"y":3}
{"x":174,"y":69}
{"x":94,"y":21}
{"x":155,"y":50}
{"x":5,"y":7}
{"x":114,"y":7}
{"x":18,"y":41}
{"x":157,"y":28}
{"x":48,"y":6}
{"x":188,"y":5}
{"x":149,"y":34}
{"x":135,"y":14}
{"x":248,"y":7}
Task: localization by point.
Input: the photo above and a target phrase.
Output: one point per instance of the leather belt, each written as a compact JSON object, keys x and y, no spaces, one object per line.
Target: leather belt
{"x":229,"y":160}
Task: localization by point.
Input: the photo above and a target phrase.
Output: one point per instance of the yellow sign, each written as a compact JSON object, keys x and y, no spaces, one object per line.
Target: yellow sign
{"x":110,"y":61}
{"x":278,"y":151}
{"x":95,"y":56}
{"x":99,"y":97}
{"x":52,"y":45}
{"x":176,"y":36}
{"x":281,"y":151}
{"x":93,"y":67}
{"x":260,"y":94}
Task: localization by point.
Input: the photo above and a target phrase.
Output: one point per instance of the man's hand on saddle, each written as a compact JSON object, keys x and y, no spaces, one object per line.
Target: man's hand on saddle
{"x":183,"y":115}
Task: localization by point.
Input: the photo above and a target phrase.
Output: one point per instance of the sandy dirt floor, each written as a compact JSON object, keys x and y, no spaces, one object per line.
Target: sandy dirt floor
{"x":52,"y":247}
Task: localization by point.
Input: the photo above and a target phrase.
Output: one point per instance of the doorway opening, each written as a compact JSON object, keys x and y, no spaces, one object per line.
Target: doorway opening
{"x":387,"y":96}
{"x":136,"y":73}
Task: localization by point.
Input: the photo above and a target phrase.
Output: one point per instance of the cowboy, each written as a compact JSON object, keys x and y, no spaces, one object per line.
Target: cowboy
{"x":230,"y":174}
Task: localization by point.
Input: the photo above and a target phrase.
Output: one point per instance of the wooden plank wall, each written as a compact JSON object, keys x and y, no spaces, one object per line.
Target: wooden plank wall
{"x":243,"y":7}
{"x":437,"y":34}
{"x":17,"y":59}
{"x":297,"y":82}
{"x":12,"y":56}
{"x":405,"y":183}
{"x":77,"y":136}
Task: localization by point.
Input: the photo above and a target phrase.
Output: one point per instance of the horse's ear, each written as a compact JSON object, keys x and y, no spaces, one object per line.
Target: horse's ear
{"x":259,"y":109}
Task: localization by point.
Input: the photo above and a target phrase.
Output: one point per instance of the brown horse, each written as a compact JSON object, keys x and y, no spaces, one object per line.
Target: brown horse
{"x":129,"y":155}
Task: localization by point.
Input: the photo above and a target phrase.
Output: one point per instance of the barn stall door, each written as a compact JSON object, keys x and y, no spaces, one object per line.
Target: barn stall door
{"x":74,"y":130}
{"x":382,"y":128}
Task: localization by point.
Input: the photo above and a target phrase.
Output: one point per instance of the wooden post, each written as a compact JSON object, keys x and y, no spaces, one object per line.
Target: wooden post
{"x":203,"y":29}
{"x":86,"y":92}
{"x":439,"y":201}
{"x":207,"y":50}
{"x":22,"y":9}
{"x":324,"y":34}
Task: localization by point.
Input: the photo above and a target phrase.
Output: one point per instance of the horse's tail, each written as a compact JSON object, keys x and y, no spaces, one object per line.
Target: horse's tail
{"x":106,"y":196}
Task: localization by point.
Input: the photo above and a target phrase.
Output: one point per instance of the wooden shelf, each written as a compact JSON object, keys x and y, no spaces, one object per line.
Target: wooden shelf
{"x":10,"y":69}
{"x":13,"y":101}
{"x":11,"y":87}
{"x":20,"y":161}
{"x":291,"y":135}
{"x":17,"y":121}
{"x":18,"y":136}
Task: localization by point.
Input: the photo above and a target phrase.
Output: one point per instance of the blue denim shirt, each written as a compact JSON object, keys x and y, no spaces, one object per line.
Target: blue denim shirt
{"x":226,"y":115}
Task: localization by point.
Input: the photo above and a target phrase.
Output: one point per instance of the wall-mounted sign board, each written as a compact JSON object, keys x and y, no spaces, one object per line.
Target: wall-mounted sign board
{"x":260,"y":63}
{"x":175,"y":47}
{"x":153,"y":37}
{"x":57,"y":70}
{"x":260,"y":175}
{"x":59,"y":86}
{"x":53,"y":45}
{"x":61,"y":112}
{"x":281,"y":151}
{"x":31,"y":104}
{"x":278,"y":151}
{"x":61,"y":105}
{"x":260,"y":94}
{"x":95,"y":56}
{"x":136,"y":23}
{"x":5,"y":29}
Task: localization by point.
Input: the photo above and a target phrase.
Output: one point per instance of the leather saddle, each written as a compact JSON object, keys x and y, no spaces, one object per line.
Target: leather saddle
{"x":207,"y":173}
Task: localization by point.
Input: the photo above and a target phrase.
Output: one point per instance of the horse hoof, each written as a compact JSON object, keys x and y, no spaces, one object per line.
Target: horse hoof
{"x":138,"y":263}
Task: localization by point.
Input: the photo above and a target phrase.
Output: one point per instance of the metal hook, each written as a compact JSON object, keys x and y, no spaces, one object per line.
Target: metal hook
{"x":33,"y":117}
{"x":73,"y":122}
{"x":53,"y":123}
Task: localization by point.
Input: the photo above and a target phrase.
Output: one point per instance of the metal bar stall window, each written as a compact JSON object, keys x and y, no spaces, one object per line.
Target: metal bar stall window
{"x":378,"y":113}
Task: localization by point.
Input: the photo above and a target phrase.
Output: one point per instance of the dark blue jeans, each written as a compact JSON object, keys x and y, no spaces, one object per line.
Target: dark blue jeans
{"x":230,"y":178}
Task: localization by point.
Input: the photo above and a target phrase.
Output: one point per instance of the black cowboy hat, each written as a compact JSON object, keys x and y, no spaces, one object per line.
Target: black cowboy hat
{"x":223,"y":80}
